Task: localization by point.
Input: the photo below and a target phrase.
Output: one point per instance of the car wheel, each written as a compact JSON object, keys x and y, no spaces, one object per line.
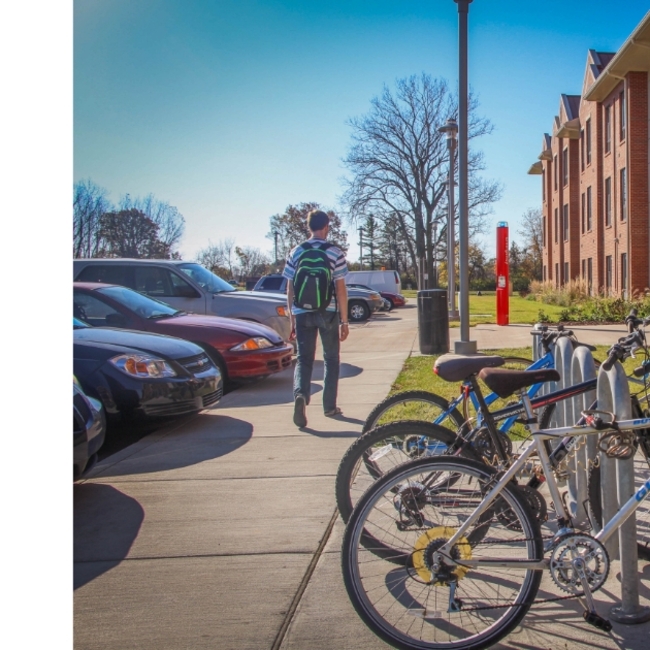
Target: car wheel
{"x":391,"y":304}
{"x":218,"y":361}
{"x":358,"y":312}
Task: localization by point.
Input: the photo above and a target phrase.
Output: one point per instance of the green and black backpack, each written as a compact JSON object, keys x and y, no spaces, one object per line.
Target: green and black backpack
{"x":313,"y":286}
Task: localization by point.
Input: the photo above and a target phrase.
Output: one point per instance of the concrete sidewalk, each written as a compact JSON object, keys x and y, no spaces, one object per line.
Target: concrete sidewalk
{"x":220,"y":530}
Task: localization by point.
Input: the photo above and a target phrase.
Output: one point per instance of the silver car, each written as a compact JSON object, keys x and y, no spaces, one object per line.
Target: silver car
{"x":186,"y":286}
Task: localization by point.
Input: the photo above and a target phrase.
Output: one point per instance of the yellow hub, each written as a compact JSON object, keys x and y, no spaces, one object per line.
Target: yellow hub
{"x":426,"y":544}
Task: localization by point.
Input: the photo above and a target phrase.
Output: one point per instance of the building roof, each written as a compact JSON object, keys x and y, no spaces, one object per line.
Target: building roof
{"x":633,"y":56}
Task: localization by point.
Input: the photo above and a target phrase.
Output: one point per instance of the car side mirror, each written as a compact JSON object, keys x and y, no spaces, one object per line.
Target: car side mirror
{"x":116,"y":320}
{"x":185,"y":291}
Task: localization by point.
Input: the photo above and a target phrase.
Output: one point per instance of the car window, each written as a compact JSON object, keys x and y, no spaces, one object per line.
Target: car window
{"x":153,"y":281}
{"x":94,"y":311}
{"x":181,"y":288}
{"x":205,"y":279}
{"x":142,"y":305}
{"x":108,"y":273}
{"x":272,"y":284}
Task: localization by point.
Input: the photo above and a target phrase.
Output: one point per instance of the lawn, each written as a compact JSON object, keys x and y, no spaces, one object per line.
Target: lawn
{"x":483,"y":309}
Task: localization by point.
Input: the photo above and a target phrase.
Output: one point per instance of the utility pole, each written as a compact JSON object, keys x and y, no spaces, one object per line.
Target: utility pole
{"x":275,"y":237}
{"x":464,"y":346}
{"x":361,"y":248}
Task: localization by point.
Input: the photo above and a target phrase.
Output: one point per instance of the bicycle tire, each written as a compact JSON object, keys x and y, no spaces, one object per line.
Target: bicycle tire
{"x":351,"y":484}
{"x":390,"y":597}
{"x":404,"y":406}
{"x":642,"y":513}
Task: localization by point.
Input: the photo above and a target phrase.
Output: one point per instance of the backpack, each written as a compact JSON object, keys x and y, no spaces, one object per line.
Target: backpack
{"x":313,"y":286}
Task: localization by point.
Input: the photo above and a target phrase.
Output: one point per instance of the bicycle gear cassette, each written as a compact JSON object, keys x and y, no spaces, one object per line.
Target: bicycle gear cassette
{"x":427,"y":545}
{"x":574,"y":553}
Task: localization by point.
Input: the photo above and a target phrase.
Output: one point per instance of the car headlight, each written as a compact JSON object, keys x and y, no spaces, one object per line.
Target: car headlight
{"x":255,"y":343}
{"x":140,"y":365}
{"x":376,"y":296}
{"x":282,"y":311}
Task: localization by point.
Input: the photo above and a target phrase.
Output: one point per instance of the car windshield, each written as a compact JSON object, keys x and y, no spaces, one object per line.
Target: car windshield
{"x":78,"y":324}
{"x":142,"y":305}
{"x":206,"y":279}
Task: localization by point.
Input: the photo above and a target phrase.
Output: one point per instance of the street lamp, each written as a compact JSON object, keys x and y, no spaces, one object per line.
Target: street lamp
{"x":464,"y":346}
{"x":451,"y":131}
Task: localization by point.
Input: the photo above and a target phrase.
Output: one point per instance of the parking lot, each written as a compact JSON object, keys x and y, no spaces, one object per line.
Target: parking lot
{"x":220,"y":530}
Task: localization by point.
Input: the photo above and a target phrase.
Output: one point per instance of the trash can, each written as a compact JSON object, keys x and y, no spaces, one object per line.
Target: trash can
{"x":433,"y":321}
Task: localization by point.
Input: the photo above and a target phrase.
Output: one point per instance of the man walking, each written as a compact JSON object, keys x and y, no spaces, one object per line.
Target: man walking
{"x":317,"y":299}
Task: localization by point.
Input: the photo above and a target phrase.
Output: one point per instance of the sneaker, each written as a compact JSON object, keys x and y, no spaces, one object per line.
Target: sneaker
{"x":299,"y":417}
{"x":333,"y":413}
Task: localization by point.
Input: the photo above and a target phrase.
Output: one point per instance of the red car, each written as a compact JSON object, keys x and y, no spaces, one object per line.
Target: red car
{"x":241,"y":349}
{"x":395,"y":299}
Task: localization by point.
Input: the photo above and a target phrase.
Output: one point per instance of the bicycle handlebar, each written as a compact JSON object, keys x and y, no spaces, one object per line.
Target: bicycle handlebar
{"x":621,"y":350}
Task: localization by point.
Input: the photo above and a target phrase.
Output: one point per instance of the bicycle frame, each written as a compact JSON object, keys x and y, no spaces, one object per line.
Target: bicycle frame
{"x":536,"y":447}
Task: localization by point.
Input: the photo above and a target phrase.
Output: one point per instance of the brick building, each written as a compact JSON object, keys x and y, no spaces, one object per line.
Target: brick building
{"x":595,"y":170}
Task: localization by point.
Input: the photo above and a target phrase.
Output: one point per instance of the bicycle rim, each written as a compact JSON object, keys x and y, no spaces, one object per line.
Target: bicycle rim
{"x":400,"y":601}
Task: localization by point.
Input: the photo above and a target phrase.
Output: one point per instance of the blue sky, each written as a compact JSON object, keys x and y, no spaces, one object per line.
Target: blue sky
{"x":233,"y":109}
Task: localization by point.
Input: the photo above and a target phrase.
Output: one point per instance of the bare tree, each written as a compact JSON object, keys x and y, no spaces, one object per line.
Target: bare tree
{"x":130,"y":233}
{"x":531,"y":231}
{"x":399,"y":164}
{"x":252,"y":261}
{"x":89,"y":204}
{"x":170,"y":222}
{"x":218,"y":257}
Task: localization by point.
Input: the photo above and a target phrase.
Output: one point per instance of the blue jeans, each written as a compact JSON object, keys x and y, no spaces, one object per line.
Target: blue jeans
{"x":308,"y":325}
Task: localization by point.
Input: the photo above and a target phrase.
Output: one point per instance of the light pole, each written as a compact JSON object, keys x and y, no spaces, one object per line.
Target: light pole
{"x":361,"y":248}
{"x":275,"y":237}
{"x":464,"y":346}
{"x":451,"y":131}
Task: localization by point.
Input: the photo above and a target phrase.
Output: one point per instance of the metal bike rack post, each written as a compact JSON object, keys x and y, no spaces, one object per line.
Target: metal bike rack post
{"x":563,"y":354}
{"x":614,"y":395}
{"x":536,"y":334}
{"x":583,"y":368}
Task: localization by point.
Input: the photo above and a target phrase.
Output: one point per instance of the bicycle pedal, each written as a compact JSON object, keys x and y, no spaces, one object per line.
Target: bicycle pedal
{"x":597,"y":621}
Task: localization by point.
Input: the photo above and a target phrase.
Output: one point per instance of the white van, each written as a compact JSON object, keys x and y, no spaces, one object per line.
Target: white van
{"x":388,"y":281}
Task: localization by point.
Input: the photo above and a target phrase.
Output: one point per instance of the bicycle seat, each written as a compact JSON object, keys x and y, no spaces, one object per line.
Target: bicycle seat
{"x":505,"y":382}
{"x":457,"y":367}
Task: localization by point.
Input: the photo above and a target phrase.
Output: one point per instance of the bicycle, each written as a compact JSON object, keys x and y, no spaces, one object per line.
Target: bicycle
{"x":430,"y":407}
{"x":467,"y":554}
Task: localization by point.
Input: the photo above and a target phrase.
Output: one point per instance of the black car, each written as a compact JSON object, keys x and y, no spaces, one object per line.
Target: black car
{"x":135,"y":374}
{"x":89,"y":429}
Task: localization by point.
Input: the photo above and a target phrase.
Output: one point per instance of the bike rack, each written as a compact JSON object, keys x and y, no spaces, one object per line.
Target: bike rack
{"x":613,"y":394}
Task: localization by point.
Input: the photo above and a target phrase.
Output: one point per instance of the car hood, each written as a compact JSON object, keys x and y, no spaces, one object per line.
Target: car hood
{"x":257,"y":295}
{"x":120,"y":340}
{"x":244,"y":327}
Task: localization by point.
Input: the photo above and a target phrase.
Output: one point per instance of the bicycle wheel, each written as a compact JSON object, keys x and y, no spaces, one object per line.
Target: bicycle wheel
{"x":415,"y":509}
{"x":516,"y":363}
{"x":641,"y":475}
{"x":414,"y":405}
{"x":380,"y":450}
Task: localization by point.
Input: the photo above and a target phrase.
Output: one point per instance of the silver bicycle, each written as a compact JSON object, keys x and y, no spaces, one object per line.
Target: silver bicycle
{"x":467,"y":554}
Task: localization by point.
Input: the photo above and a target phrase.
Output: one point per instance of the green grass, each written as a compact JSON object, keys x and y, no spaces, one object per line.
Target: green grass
{"x":483,"y":309}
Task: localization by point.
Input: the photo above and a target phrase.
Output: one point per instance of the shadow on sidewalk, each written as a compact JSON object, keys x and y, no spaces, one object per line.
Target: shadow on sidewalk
{"x":215,"y":436}
{"x":106,"y":522}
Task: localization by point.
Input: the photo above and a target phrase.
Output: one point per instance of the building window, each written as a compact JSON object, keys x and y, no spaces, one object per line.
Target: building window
{"x":622,"y":117}
{"x":582,"y":149}
{"x":543,"y":231}
{"x":623,"y":194}
{"x":590,"y":276}
{"x":624,"y":274}
{"x":557,"y":275}
{"x":608,"y":201}
{"x":555,"y":224}
{"x":565,"y":279}
{"x":565,"y":221}
{"x":543,"y":185}
{"x":565,"y":166}
{"x":608,"y":274}
{"x":588,"y":209}
{"x":584,"y":270}
{"x":544,"y":271}
{"x":583,"y":214}
{"x":608,"y":128}
{"x":588,"y":140}
{"x":555,"y":172}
